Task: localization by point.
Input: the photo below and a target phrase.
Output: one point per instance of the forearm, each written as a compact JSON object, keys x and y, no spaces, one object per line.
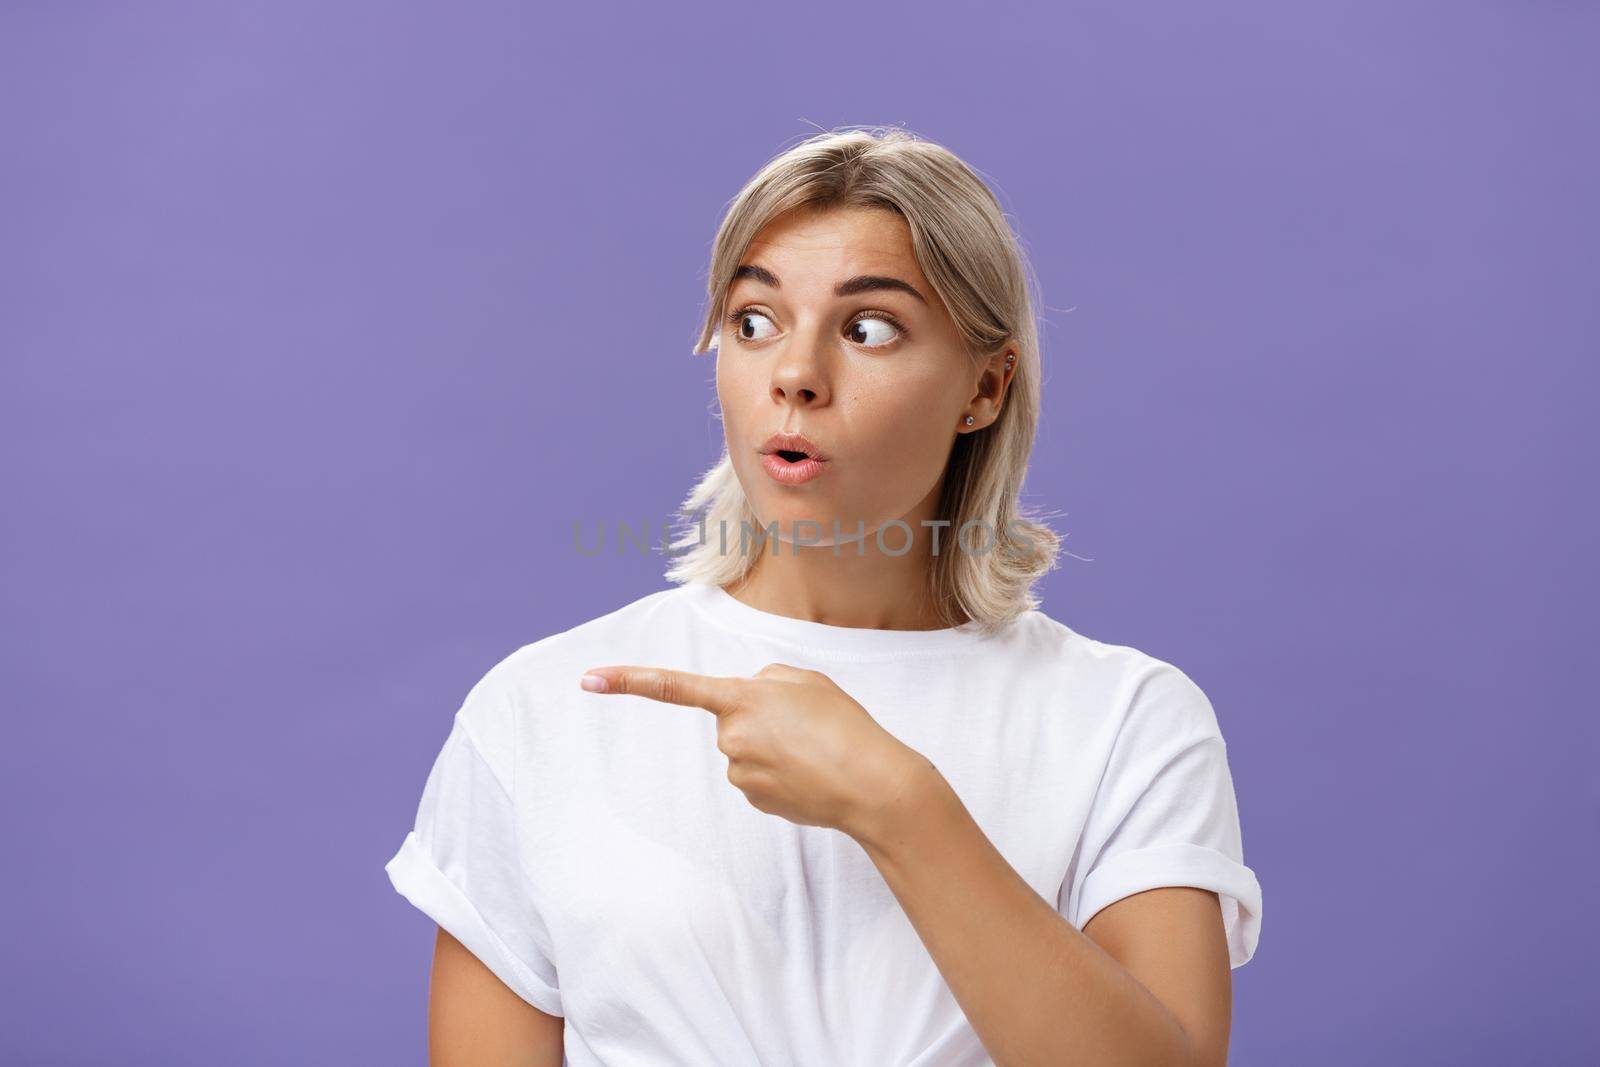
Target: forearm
{"x":1035,"y":989}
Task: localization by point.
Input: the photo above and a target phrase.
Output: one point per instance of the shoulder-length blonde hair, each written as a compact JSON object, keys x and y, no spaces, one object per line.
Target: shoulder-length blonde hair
{"x":972,"y":259}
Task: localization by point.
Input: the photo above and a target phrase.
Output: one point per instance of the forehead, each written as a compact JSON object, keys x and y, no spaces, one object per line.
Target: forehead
{"x":822,"y":246}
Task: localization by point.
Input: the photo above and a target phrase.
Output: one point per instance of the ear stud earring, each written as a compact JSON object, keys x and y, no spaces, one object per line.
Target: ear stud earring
{"x":969,"y":420}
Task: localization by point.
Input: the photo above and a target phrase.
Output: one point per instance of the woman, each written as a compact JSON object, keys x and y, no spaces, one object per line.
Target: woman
{"x":842,"y":794}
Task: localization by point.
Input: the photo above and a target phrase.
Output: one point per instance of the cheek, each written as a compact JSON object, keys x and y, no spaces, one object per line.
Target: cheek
{"x":903,"y":426}
{"x":734,"y":394}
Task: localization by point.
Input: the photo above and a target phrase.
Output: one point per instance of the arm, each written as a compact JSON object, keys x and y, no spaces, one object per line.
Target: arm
{"x":1152,"y":985}
{"x":1035,"y":989}
{"x":475,"y":1020}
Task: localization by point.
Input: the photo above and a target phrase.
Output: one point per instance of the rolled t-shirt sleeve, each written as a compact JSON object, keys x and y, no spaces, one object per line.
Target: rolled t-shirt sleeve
{"x":461,"y":863}
{"x":1166,"y":813}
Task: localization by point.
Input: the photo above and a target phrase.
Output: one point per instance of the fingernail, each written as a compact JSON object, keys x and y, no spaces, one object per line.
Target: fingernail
{"x":594,"y":683}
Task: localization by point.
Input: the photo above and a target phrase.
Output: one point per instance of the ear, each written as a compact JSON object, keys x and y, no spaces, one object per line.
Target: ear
{"x":994,"y":378}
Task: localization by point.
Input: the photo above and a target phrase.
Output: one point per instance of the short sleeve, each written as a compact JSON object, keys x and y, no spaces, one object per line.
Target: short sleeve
{"x":460,"y":864}
{"x":1166,"y":813}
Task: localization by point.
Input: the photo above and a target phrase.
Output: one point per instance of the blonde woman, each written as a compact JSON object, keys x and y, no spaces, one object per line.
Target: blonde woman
{"x":842,"y":793}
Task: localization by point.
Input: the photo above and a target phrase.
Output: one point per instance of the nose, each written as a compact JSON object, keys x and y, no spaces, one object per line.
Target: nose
{"x":800,"y":373}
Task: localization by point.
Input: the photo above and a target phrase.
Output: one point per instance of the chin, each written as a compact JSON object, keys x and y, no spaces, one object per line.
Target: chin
{"x":812,"y":520}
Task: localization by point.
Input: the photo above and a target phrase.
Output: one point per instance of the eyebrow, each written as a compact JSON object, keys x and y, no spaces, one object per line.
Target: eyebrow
{"x":861,"y":283}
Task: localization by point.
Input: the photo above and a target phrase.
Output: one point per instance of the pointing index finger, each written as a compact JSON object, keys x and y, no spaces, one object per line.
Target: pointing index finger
{"x":714,"y":693}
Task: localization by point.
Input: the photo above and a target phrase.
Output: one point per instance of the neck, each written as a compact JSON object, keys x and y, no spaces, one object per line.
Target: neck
{"x":860,"y":586}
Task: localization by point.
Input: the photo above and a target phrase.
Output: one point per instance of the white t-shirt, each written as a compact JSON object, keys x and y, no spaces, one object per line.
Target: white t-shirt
{"x":590,"y":850}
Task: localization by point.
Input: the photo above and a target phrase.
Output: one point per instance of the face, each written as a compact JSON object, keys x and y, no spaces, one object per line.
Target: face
{"x":833,"y":332}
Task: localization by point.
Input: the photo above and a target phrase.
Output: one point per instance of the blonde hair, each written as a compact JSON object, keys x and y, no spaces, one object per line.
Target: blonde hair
{"x":972,"y":259}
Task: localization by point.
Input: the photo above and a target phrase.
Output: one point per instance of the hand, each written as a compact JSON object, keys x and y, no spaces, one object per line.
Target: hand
{"x":798,"y":746}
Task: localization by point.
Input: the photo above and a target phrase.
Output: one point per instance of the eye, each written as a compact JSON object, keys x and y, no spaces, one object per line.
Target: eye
{"x":875,"y":329}
{"x":871,"y":329}
{"x":739,"y":319}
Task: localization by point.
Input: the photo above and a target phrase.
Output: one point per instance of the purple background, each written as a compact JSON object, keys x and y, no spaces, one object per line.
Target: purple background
{"x":322,"y":323}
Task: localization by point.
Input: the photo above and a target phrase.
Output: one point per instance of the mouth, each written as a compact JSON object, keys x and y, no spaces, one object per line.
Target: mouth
{"x":792,"y":448}
{"x":791,"y":458}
